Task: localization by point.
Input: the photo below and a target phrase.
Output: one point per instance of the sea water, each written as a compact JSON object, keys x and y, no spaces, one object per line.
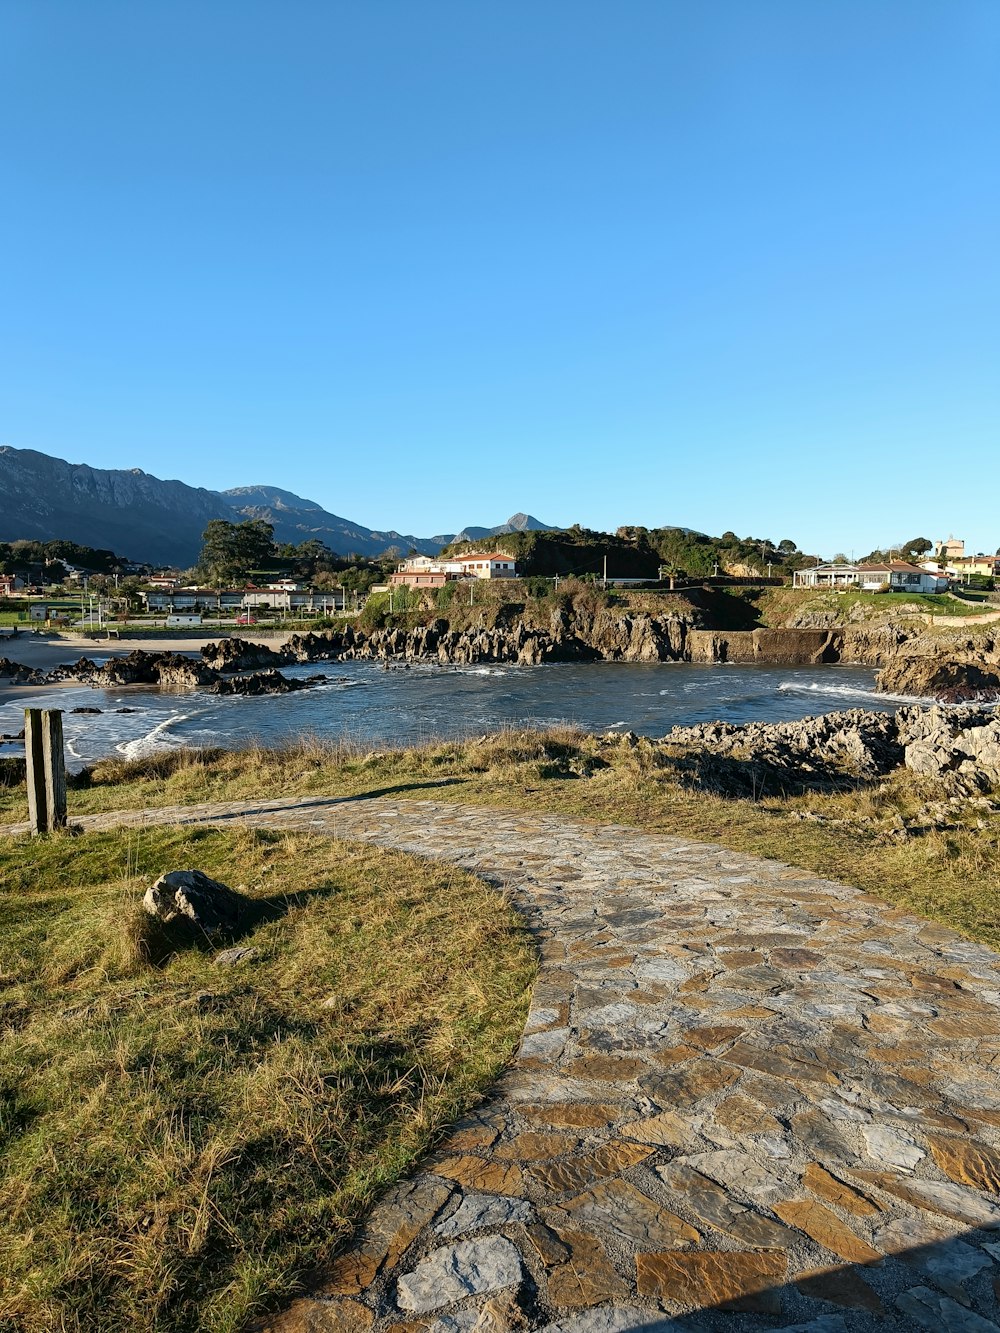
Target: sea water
{"x":374,"y":706}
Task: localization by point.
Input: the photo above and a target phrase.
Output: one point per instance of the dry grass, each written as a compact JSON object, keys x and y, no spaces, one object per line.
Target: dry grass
{"x":879,"y":838}
{"x":181,"y":1142}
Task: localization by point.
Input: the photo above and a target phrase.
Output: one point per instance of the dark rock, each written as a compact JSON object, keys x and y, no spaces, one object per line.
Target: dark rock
{"x":86,"y":710}
{"x":18,"y":674}
{"x":140,"y":668}
{"x":263,"y":682}
{"x":239,"y":655}
{"x":191,"y":899}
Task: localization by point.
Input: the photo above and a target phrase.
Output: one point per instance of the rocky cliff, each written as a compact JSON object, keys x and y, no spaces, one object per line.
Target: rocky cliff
{"x":958,"y":670}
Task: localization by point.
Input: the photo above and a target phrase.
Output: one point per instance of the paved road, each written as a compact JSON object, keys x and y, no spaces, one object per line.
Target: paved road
{"x":746,"y":1098}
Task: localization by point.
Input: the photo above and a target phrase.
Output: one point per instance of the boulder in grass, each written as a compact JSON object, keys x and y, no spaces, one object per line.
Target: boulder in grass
{"x":190,"y":898}
{"x":229,"y":957}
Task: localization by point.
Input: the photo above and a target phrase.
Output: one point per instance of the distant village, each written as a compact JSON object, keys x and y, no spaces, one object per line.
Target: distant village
{"x":163,"y":594}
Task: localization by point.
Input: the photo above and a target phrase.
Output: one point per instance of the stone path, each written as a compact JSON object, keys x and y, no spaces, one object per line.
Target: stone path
{"x":746,"y":1098}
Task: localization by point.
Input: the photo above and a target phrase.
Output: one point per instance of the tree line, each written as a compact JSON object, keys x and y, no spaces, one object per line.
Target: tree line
{"x":233,"y":553}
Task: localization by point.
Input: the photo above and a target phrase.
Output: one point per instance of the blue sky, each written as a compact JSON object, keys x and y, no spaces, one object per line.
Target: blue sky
{"x":720,"y":264}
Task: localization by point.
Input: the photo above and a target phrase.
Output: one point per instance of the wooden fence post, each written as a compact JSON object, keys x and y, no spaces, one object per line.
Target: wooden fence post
{"x":46,"y":769}
{"x":35,"y":765}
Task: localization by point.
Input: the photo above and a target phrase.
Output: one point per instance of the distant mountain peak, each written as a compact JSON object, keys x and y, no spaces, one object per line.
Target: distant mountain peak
{"x":265,"y":496}
{"x":516,"y":523}
{"x":526,"y":523}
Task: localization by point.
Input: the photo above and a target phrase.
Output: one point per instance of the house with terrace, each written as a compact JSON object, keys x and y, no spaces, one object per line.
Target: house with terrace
{"x":422,"y":571}
{"x":883,"y":576}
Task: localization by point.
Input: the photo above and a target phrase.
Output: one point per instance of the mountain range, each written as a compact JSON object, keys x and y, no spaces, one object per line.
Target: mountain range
{"x":161,"y":522}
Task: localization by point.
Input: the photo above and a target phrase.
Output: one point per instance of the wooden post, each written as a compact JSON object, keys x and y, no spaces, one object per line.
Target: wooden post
{"x":46,"y":769}
{"x":55,"y":768}
{"x":35,"y":765}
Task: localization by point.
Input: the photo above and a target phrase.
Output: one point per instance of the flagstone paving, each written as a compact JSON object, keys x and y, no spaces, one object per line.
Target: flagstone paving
{"x":745,"y":1098}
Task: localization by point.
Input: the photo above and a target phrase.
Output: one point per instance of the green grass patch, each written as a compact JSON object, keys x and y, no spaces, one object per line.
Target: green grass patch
{"x":781,"y":607}
{"x":182,"y":1142}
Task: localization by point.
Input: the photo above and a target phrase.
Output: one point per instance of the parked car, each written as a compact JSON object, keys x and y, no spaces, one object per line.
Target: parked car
{"x":245,"y":620}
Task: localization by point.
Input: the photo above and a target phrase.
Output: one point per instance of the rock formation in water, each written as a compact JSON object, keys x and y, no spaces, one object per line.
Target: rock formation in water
{"x":179,"y":671}
{"x":263,"y":682}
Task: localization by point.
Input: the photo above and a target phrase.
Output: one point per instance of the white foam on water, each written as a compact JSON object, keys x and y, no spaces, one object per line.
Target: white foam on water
{"x":847,"y":692}
{"x":158,"y":738}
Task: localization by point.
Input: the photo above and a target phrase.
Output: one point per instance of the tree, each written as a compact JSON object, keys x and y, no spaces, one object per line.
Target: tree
{"x":786,"y":546}
{"x":918,"y":546}
{"x":230,"y":550}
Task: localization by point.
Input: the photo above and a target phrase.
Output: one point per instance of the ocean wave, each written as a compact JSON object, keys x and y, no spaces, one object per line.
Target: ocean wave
{"x":847,"y":692}
{"x":158,"y":738}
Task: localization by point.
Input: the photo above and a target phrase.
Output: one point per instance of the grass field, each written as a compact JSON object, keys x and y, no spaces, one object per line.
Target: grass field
{"x":181,"y":1141}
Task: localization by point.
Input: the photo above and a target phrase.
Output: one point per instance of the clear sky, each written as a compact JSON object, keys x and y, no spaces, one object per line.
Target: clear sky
{"x":733,"y":264}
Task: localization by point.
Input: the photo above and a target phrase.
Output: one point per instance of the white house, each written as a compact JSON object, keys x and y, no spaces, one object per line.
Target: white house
{"x":495,"y":565}
{"x":826,"y":576}
{"x":901,"y":576}
{"x":894,"y":575}
{"x":421,"y":571}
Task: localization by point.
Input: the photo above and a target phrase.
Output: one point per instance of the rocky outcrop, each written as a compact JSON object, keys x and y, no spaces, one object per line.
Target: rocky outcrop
{"x":958,"y":671}
{"x":566,"y":637}
{"x":142,"y":668}
{"x":831,"y":749}
{"x":263,"y":682}
{"x":945,"y":679}
{"x":959,"y":746}
{"x":16,"y":674}
{"x":436,"y":641}
{"x":240,"y":655}
{"x":177,"y":671}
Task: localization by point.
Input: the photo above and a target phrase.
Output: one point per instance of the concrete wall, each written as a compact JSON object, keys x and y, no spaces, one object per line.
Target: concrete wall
{"x":779,"y":647}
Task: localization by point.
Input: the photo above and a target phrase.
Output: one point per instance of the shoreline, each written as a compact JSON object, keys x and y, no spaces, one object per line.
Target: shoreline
{"x":45,"y":652}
